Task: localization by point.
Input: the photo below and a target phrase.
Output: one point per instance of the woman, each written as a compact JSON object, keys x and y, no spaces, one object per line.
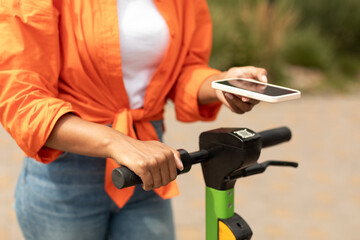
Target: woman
{"x":83,"y":86}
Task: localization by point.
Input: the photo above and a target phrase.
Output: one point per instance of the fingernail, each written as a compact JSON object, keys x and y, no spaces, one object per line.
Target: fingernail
{"x":180,"y":163}
{"x":230,"y":96}
{"x":244,"y":99}
{"x":264,"y":79}
{"x":181,"y":167}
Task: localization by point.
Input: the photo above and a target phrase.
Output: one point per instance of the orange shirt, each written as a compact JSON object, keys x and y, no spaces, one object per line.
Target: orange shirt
{"x":60,"y":56}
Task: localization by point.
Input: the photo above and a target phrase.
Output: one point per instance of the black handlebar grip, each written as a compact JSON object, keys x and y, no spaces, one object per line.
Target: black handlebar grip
{"x":123,"y":177}
{"x":275,"y":136}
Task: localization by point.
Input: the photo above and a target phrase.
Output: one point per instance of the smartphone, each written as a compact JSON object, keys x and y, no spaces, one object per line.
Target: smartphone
{"x":256,"y":90}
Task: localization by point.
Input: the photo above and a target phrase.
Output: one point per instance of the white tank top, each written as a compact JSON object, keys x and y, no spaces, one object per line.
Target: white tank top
{"x":144,"y":39}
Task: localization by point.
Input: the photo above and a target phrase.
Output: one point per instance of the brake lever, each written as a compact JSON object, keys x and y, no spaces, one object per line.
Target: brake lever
{"x":261,"y":167}
{"x":258,"y":168}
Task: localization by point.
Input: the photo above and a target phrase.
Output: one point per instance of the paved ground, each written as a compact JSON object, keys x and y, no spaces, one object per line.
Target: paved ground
{"x":319,"y":200}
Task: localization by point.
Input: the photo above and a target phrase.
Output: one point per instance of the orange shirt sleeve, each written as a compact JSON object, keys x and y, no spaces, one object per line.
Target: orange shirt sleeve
{"x":196,"y":70}
{"x":29,"y":73}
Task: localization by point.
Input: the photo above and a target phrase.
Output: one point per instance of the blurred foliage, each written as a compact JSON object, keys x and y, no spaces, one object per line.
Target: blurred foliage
{"x":307,"y":47}
{"x":277,"y":34}
{"x":339,"y":21}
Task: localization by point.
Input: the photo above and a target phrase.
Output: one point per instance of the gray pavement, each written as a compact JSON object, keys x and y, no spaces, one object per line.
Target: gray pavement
{"x":319,"y":200}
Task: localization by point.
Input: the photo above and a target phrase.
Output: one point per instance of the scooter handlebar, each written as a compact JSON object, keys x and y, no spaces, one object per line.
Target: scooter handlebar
{"x":123,"y":177}
{"x":275,"y":136}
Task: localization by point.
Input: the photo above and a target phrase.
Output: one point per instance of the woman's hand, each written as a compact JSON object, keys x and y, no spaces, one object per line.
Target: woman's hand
{"x":235,"y":103}
{"x":154,"y":162}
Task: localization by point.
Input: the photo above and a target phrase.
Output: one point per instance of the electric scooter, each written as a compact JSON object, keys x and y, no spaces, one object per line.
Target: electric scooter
{"x":226,"y":154}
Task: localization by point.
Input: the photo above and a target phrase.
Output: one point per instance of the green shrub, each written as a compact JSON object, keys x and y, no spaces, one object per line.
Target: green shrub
{"x":337,"y":20}
{"x":349,"y":65}
{"x":252,"y":33}
{"x":321,"y":34}
{"x":307,"y":47}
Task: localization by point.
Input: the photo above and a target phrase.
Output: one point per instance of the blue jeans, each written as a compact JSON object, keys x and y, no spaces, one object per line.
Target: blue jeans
{"x":66,"y":200}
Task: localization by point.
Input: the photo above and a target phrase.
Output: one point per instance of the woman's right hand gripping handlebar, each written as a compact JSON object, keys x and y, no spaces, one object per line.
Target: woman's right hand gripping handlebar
{"x":154,"y":162}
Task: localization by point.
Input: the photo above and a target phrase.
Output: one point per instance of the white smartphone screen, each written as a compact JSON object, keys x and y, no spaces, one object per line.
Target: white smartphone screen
{"x":256,"y":90}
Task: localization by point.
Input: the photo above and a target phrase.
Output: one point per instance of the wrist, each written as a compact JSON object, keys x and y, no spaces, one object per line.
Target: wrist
{"x":112,"y":142}
{"x":207,"y":94}
{"x":117,"y":146}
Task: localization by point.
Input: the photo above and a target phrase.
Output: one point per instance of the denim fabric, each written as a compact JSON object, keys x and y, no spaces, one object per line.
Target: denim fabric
{"x":66,"y":200}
